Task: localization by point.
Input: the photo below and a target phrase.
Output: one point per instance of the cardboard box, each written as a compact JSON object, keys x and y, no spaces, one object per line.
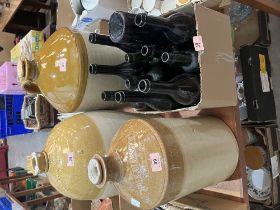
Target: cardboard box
{"x":65,"y":14}
{"x":28,"y":46}
{"x":80,"y":205}
{"x":100,"y":26}
{"x":198,"y":201}
{"x":270,"y":134}
{"x":218,"y":86}
{"x":6,"y":44}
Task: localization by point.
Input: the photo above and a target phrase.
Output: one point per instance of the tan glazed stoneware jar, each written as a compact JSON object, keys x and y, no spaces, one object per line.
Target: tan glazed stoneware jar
{"x":60,"y":72}
{"x":154,"y":161}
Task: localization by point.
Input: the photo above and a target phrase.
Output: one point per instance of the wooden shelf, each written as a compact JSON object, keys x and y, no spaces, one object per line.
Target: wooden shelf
{"x":9,"y":12}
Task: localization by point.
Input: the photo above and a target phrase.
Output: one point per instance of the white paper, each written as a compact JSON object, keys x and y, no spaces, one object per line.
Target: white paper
{"x":274,"y":166}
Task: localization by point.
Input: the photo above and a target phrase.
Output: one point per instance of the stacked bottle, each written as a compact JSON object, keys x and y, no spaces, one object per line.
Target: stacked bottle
{"x":154,"y":161}
{"x":160,"y":63}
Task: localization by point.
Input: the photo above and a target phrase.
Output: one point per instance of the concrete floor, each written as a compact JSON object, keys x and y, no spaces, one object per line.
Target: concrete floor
{"x":23,"y":145}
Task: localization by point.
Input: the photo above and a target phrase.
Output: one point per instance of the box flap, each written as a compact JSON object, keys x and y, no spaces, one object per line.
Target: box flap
{"x":202,"y":202}
{"x":6,"y":44}
{"x":217,"y":59}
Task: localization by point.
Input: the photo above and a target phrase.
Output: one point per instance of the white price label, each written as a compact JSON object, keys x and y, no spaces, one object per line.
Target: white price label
{"x":70,"y":159}
{"x":155,"y":162}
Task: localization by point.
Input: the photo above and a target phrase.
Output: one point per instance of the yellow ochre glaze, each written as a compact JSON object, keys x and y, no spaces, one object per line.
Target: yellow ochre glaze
{"x":60,"y":72}
{"x":62,"y":64}
{"x":165,"y":159}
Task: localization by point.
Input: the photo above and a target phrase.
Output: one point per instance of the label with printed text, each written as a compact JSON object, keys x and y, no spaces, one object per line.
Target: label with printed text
{"x":198,"y":43}
{"x":155,"y":162}
{"x":70,"y":159}
{"x":263,"y":74}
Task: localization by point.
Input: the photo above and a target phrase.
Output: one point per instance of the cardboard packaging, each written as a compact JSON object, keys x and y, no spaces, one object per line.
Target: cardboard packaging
{"x":28,"y":46}
{"x":258,"y":90}
{"x":205,"y":202}
{"x":6,"y":44}
{"x":65,"y":14}
{"x":270,"y":135}
{"x":214,"y":45}
{"x":37,"y":113}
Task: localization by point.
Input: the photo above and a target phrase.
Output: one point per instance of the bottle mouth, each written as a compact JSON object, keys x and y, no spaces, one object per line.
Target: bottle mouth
{"x":165,"y":57}
{"x":108,"y":96}
{"x":119,"y":97}
{"x":127,"y":84}
{"x":92,"y":69}
{"x":116,"y":26}
{"x":145,"y":50}
{"x":92,"y":38}
{"x":127,"y":58}
{"x":144,"y":85}
{"x":140,"y":20}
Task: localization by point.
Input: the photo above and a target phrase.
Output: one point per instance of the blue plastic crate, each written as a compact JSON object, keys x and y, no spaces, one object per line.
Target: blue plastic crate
{"x":5,"y":204}
{"x":10,"y":113}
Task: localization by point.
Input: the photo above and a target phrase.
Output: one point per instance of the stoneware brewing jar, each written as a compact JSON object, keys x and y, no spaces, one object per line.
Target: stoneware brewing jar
{"x":70,"y":147}
{"x":60,"y":72}
{"x":154,"y":161}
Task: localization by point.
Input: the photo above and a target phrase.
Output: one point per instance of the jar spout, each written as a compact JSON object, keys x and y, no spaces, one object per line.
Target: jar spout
{"x":104,"y":169}
{"x":28,"y":74}
{"x":37,"y":163}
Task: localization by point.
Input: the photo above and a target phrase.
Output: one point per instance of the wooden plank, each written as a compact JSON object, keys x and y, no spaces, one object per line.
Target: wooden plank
{"x":269,"y":6}
{"x":42,"y":200}
{"x":13,"y":177}
{"x":16,"y":180}
{"x":9,"y":12}
{"x":28,"y":192}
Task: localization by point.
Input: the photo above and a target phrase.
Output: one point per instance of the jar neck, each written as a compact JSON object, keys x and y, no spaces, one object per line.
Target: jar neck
{"x":39,"y":163}
{"x":28,"y":70}
{"x":28,"y":73}
{"x":103,"y":169}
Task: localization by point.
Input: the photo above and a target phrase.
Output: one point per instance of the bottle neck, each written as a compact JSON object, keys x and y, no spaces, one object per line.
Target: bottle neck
{"x":95,"y":38}
{"x":151,"y":51}
{"x":147,"y":86}
{"x":104,"y":169}
{"x":108,"y":95}
{"x":104,"y":69}
{"x":134,"y":57}
{"x":177,"y":58}
{"x":125,"y":69}
{"x":131,"y":97}
{"x":155,"y":23}
{"x":28,"y":70}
